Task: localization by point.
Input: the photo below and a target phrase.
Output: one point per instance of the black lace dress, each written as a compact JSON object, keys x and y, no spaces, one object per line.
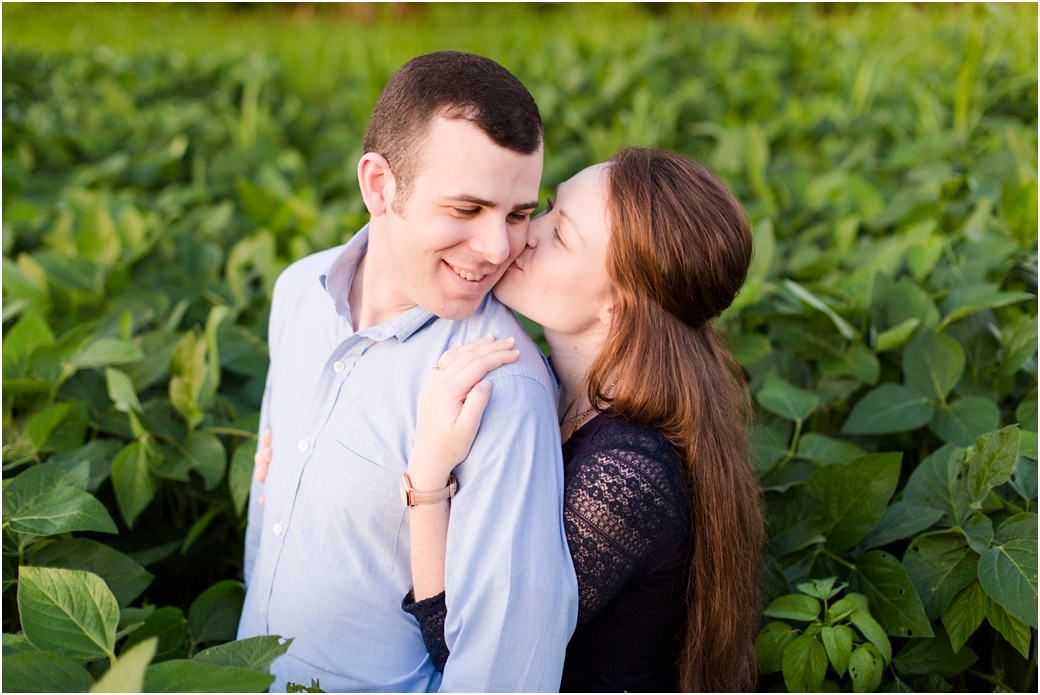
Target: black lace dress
{"x":626,"y":517}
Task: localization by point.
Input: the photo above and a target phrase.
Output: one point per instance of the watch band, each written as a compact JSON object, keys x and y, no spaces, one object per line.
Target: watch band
{"x":413,"y":497}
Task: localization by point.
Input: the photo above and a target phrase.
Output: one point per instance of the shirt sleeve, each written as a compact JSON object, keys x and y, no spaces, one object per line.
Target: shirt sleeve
{"x":510,"y":590}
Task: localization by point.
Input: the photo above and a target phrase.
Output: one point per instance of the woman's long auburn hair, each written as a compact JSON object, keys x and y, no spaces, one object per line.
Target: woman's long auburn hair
{"x":679,"y":250}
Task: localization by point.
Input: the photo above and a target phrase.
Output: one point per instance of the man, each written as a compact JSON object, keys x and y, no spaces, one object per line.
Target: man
{"x":450,"y":174}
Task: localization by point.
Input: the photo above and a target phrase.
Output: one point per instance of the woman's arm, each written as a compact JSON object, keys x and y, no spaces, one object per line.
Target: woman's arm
{"x":450,"y":408}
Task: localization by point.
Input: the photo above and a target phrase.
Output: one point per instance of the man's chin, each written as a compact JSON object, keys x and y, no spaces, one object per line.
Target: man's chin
{"x":456,"y":310}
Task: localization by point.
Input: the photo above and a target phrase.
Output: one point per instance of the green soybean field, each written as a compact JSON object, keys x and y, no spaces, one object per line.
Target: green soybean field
{"x":163,"y":164}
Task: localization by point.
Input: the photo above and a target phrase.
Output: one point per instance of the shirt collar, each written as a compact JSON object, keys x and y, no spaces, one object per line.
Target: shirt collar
{"x":336,"y":281}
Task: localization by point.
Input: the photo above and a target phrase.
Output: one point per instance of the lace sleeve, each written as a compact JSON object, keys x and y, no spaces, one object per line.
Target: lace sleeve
{"x":623,"y":509}
{"x":430,"y":613}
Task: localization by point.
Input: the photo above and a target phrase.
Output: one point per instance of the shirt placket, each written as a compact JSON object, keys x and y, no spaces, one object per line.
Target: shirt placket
{"x":339,"y":366}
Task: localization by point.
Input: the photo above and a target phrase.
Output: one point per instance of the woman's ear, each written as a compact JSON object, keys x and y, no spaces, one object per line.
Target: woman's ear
{"x":606,"y":314}
{"x":376,"y":182}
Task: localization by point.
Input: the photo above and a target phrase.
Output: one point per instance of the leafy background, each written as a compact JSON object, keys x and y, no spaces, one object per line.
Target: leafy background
{"x":161,"y":166}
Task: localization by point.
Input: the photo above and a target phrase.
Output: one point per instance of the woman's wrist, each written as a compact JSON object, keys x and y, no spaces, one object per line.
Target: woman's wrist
{"x":427,"y":478}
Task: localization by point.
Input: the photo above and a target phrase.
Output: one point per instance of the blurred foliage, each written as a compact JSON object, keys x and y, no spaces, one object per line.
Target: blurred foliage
{"x":153,"y":191}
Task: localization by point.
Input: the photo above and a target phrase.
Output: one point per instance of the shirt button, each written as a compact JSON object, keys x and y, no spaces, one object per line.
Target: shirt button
{"x":338,"y":365}
{"x":277,"y":529}
{"x":262,"y":609}
{"x":303,"y":445}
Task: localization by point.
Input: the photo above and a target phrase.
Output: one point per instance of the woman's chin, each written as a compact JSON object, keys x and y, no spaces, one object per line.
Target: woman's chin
{"x":507,"y":289}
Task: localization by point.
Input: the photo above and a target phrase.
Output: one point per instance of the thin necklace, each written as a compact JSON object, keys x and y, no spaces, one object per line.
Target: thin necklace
{"x":579,"y":419}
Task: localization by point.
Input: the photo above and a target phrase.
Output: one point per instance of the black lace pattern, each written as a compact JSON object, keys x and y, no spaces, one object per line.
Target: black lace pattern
{"x":624,"y":509}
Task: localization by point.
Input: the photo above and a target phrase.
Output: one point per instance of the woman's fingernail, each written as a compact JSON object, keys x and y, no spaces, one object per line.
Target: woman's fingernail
{"x":515,"y":352}
{"x":489,"y":337}
{"x":510,"y":340}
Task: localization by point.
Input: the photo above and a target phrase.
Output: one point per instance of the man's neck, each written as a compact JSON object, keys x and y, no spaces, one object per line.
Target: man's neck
{"x":372,"y":296}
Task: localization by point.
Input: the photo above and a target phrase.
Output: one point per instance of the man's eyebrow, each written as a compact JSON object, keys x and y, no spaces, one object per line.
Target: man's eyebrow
{"x":487,"y":203}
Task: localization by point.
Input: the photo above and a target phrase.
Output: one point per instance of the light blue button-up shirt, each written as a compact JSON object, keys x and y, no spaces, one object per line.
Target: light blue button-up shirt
{"x":327,"y":559}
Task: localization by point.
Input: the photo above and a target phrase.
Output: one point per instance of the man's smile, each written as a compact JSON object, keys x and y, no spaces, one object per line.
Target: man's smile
{"x":469,"y":276}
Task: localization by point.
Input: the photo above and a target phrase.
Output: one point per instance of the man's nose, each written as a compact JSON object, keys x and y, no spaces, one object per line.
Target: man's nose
{"x":491,"y":241}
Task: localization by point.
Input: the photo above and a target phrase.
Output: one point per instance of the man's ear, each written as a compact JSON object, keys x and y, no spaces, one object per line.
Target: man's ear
{"x":376,"y":182}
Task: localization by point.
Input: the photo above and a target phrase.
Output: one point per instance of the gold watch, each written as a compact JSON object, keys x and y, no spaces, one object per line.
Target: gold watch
{"x":413,"y":497}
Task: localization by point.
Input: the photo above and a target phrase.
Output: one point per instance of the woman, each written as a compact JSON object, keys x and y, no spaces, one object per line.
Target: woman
{"x":625,"y":270}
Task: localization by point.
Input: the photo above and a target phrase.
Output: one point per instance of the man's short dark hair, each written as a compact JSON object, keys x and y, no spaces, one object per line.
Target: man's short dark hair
{"x":453,"y":85}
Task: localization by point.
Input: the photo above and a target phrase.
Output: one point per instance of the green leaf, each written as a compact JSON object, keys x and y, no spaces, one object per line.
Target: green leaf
{"x":62,"y":510}
{"x":897,"y":336}
{"x":214,"y":615}
{"x":898,"y":686}
{"x":894,"y":601}
{"x":207,"y":457}
{"x":823,"y":449}
{"x":860,"y":362}
{"x":125,"y":578}
{"x":967,"y":300}
{"x":769,"y":646}
{"x":188,"y":367}
{"x":873,"y":631}
{"x":169,"y":626}
{"x":105,"y":352}
{"x":921,"y":657}
{"x":822,"y":589}
{"x":856,"y":495}
{"x":940,"y":565}
{"x":794,"y":607}
{"x":258,"y":653}
{"x":804,"y":664}
{"x":127,"y":673}
{"x":748,"y":348}
{"x":1018,"y":344}
{"x":240,"y":477}
{"x":1007,"y":571}
{"x":36,"y":672}
{"x":865,"y":668}
{"x":1024,"y":476}
{"x":933,"y":364}
{"x":978,"y":529}
{"x":212,"y":379}
{"x":97,"y":454}
{"x":786,"y":400}
{"x":846,"y":330}
{"x":121,"y":391}
{"x":25,"y":337}
{"x":901,"y":520}
{"x":940,"y":482}
{"x":1015,"y":631}
{"x":889,"y":408}
{"x":67,"y":611}
{"x":72,"y":272}
{"x":963,"y":421}
{"x":39,"y":479}
{"x":135,"y":484}
{"x":837,"y":640}
{"x":844,"y":606}
{"x":180,"y":676}
{"x":60,"y":427}
{"x":963,"y":615}
{"x":995,"y":456}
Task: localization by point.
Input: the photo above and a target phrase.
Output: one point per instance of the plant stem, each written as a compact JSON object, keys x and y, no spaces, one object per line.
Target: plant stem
{"x":839,"y":560}
{"x":991,"y":679}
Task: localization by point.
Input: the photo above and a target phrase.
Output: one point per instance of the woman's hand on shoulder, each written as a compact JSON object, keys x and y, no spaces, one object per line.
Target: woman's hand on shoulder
{"x":451,"y":407}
